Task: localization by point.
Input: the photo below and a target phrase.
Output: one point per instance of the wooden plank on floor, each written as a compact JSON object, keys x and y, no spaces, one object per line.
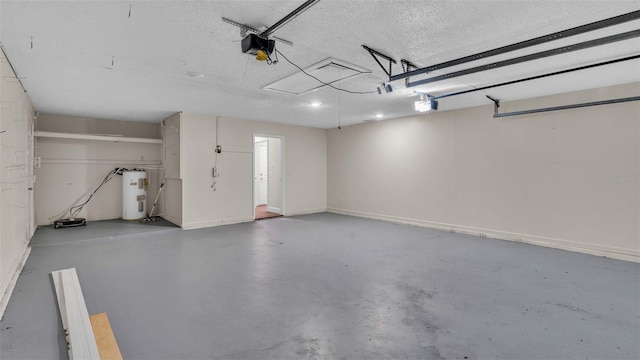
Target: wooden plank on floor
{"x":107,"y":344}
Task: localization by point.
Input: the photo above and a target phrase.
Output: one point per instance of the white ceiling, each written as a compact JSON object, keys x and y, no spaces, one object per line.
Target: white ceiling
{"x":64,"y":50}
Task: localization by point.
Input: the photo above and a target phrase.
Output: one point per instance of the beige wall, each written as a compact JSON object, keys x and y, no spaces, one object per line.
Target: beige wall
{"x":16,"y":178}
{"x":566,"y":179}
{"x":232,"y":201}
{"x":275,"y":182}
{"x":72,"y":168}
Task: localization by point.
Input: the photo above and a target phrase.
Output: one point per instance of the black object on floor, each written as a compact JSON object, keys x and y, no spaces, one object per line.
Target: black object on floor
{"x":62,"y":223}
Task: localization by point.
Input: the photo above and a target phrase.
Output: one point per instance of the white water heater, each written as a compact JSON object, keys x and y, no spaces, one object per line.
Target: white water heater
{"x":134,"y":194}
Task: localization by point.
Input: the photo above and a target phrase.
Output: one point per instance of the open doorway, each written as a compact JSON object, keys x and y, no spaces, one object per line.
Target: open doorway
{"x":268,"y":189}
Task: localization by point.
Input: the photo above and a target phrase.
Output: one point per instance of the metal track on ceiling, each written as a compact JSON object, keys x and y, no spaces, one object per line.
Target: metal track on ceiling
{"x":535,"y":56}
{"x":407,"y":66}
{"x":280,"y":23}
{"x":616,"y":20}
{"x":497,"y":114}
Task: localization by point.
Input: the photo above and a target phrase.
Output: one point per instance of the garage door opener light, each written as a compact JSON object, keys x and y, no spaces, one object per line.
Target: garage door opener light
{"x":426,"y":103}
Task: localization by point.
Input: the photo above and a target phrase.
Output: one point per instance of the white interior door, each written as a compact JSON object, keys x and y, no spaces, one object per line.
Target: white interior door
{"x":262,"y":173}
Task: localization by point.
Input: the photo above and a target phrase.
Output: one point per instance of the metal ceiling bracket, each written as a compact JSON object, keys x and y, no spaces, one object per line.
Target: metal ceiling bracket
{"x":406,"y":67}
{"x":539,"y":55}
{"x":616,"y":20}
{"x":496,"y":105}
{"x":375,"y":54}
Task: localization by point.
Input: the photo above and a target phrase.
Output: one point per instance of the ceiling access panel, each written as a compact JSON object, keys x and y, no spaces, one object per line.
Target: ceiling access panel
{"x":328,"y":71}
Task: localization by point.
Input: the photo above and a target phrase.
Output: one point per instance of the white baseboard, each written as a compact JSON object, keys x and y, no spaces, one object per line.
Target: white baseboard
{"x":274,"y":210}
{"x":585,"y":248}
{"x":305,"y":211}
{"x":6,"y":295}
{"x":216,"y":222}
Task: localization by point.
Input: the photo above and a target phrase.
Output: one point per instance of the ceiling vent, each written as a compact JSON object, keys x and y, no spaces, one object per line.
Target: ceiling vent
{"x":329,"y":71}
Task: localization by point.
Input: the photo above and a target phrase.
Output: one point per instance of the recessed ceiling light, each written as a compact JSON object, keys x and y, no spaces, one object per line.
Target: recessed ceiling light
{"x":379,"y":116}
{"x":315,"y":104}
{"x":195,"y":74}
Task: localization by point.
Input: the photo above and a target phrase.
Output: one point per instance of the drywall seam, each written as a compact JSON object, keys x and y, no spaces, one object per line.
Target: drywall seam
{"x":585,"y":248}
{"x":6,"y":295}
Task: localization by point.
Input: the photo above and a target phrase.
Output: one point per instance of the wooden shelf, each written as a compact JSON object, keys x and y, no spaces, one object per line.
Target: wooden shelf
{"x":48,"y":134}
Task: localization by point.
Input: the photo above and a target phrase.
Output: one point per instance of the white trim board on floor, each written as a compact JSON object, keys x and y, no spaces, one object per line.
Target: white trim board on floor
{"x":585,"y":248}
{"x":74,"y":315}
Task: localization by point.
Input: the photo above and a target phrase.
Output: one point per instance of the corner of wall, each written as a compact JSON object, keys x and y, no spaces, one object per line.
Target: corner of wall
{"x":16,"y":152}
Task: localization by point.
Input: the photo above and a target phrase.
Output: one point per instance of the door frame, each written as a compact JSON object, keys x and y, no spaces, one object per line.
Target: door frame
{"x":282,"y":171}
{"x":257,"y":163}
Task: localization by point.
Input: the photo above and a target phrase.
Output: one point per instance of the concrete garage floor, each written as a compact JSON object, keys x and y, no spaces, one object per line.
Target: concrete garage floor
{"x":327,"y":286}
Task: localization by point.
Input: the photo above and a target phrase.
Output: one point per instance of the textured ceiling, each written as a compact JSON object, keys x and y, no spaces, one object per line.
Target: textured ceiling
{"x":131,"y":60}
